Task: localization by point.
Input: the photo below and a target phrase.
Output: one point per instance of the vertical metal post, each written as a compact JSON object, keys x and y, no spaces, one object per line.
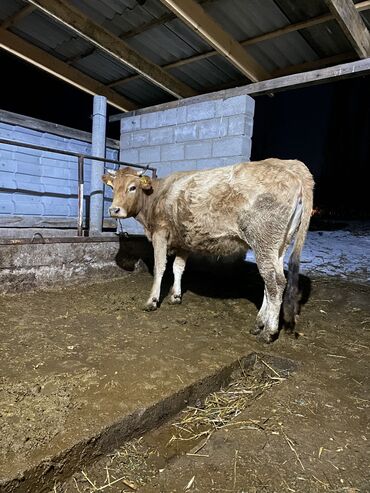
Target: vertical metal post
{"x":80,"y":220}
{"x":97,"y":167}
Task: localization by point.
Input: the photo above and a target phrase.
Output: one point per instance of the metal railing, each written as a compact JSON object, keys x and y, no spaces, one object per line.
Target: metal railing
{"x":81,"y":163}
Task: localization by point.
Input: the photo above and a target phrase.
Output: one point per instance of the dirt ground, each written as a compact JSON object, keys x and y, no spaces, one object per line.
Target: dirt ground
{"x":78,"y":358}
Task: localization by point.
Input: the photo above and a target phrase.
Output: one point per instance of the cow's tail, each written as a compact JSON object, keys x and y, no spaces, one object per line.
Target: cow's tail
{"x":291,"y":301}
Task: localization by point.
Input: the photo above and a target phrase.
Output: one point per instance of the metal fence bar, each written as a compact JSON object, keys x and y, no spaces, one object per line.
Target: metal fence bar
{"x":77,"y":154}
{"x":81,"y":162}
{"x":80,"y":218}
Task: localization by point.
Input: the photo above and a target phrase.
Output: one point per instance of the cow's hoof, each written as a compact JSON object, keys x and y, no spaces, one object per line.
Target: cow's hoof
{"x":257,"y":329}
{"x":175,"y":299}
{"x":265,"y":337}
{"x":151,"y":305}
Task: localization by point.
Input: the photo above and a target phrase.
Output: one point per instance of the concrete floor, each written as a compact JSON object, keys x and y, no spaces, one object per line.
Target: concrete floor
{"x":82,"y":361}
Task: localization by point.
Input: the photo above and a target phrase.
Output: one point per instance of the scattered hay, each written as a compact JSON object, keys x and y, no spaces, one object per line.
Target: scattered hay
{"x":222,"y":407}
{"x":125,"y":470}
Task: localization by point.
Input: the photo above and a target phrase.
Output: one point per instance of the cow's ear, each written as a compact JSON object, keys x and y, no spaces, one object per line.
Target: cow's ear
{"x":108,"y":179}
{"x":145,"y":183}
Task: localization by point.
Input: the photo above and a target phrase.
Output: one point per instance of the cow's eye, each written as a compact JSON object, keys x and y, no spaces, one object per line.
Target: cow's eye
{"x":132,"y":188}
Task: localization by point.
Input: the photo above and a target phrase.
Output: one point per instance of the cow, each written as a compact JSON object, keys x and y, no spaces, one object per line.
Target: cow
{"x":224,"y":211}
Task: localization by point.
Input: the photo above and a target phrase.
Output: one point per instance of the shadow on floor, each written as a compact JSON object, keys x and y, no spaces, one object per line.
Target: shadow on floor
{"x":204,"y":276}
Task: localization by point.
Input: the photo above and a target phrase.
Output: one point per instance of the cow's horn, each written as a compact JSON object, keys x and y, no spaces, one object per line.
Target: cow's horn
{"x":111,"y":172}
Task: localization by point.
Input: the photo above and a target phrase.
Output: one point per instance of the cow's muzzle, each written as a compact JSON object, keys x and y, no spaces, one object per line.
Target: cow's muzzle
{"x":117,"y":212}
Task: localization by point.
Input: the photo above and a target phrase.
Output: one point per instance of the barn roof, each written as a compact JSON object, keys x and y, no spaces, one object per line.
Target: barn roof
{"x":144,"y":52}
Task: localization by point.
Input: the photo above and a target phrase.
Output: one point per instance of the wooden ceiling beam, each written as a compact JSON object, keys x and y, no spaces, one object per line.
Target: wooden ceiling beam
{"x":203,"y":24}
{"x":352,"y":25}
{"x":329,"y":74}
{"x":27,"y":51}
{"x":13,"y":19}
{"x":361,"y":6}
{"x":63,"y":12}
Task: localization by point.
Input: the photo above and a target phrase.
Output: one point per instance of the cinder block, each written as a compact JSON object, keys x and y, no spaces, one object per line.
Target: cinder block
{"x":181,"y":115}
{"x":57,"y":172}
{"x":190,"y":165}
{"x":213,"y":129}
{"x":6,"y":133}
{"x":231,"y":160}
{"x":164,"y":169}
{"x":112,"y":154}
{"x":77,"y":146}
{"x":139,"y":139}
{"x":185,"y":133}
{"x":53,"y":141}
{"x":57,"y":158}
{"x":6,"y":164}
{"x":235,"y":105}
{"x":150,"y":120}
{"x":209,"y":163}
{"x":31,"y":186}
{"x":237,"y":125}
{"x":130,"y":156}
{"x":231,"y":146}
{"x":49,"y":180}
{"x":130,"y":124}
{"x":26,"y":137}
{"x":163,"y":135}
{"x":29,"y":168}
{"x":28,"y":204}
{"x":27,"y":157}
{"x":68,"y":191}
{"x":249,"y":127}
{"x":6,"y":203}
{"x":55,"y":206}
{"x":200,"y":111}
{"x":26,"y":131}
{"x":198,"y":150}
{"x":167,"y":117}
{"x":125,"y":140}
{"x":150,"y":154}
{"x":172,"y":152}
{"x":7,"y":180}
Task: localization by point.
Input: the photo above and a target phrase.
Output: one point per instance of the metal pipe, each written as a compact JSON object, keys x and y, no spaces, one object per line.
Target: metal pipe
{"x":81,"y":163}
{"x":75,"y":154}
{"x":97,"y":167}
{"x":80,"y":218}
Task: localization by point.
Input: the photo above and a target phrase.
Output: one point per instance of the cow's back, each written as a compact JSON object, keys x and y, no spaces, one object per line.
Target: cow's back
{"x":210,"y":211}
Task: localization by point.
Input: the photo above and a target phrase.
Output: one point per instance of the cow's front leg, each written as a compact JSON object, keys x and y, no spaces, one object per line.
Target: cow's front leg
{"x":160,"y":260}
{"x":178,"y":270}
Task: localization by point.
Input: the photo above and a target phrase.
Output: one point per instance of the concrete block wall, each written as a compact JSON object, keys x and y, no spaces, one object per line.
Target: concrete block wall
{"x":201,"y":135}
{"x":36,"y":183}
{"x":193,"y":136}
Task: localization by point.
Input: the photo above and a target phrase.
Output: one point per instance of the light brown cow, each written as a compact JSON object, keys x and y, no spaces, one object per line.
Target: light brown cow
{"x":224,"y":211}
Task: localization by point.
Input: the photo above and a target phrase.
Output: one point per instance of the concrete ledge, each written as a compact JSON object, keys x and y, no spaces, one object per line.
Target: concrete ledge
{"x":26,"y":265}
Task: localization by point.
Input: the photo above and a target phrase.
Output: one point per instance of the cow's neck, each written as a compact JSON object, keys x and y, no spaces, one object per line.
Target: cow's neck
{"x":144,"y":216}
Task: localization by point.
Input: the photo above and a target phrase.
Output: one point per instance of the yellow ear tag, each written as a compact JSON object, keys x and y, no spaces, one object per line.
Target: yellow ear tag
{"x":144,"y":180}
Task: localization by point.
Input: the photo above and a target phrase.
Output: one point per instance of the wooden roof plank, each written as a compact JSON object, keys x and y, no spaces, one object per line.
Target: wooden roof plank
{"x":29,"y":52}
{"x":63,"y":12}
{"x":361,"y":6}
{"x":203,"y":24}
{"x":352,"y":25}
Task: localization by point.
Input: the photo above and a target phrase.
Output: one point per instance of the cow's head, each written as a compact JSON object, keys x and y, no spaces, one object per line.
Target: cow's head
{"x":129,"y":188}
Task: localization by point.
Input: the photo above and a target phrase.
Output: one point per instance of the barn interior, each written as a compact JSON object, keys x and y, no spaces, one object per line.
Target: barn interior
{"x":95,"y":393}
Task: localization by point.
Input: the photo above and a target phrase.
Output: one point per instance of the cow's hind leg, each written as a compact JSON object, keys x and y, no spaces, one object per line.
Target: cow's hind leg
{"x":260,"y":320}
{"x":160,"y":260}
{"x":271,"y":268}
{"x":178,"y":270}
